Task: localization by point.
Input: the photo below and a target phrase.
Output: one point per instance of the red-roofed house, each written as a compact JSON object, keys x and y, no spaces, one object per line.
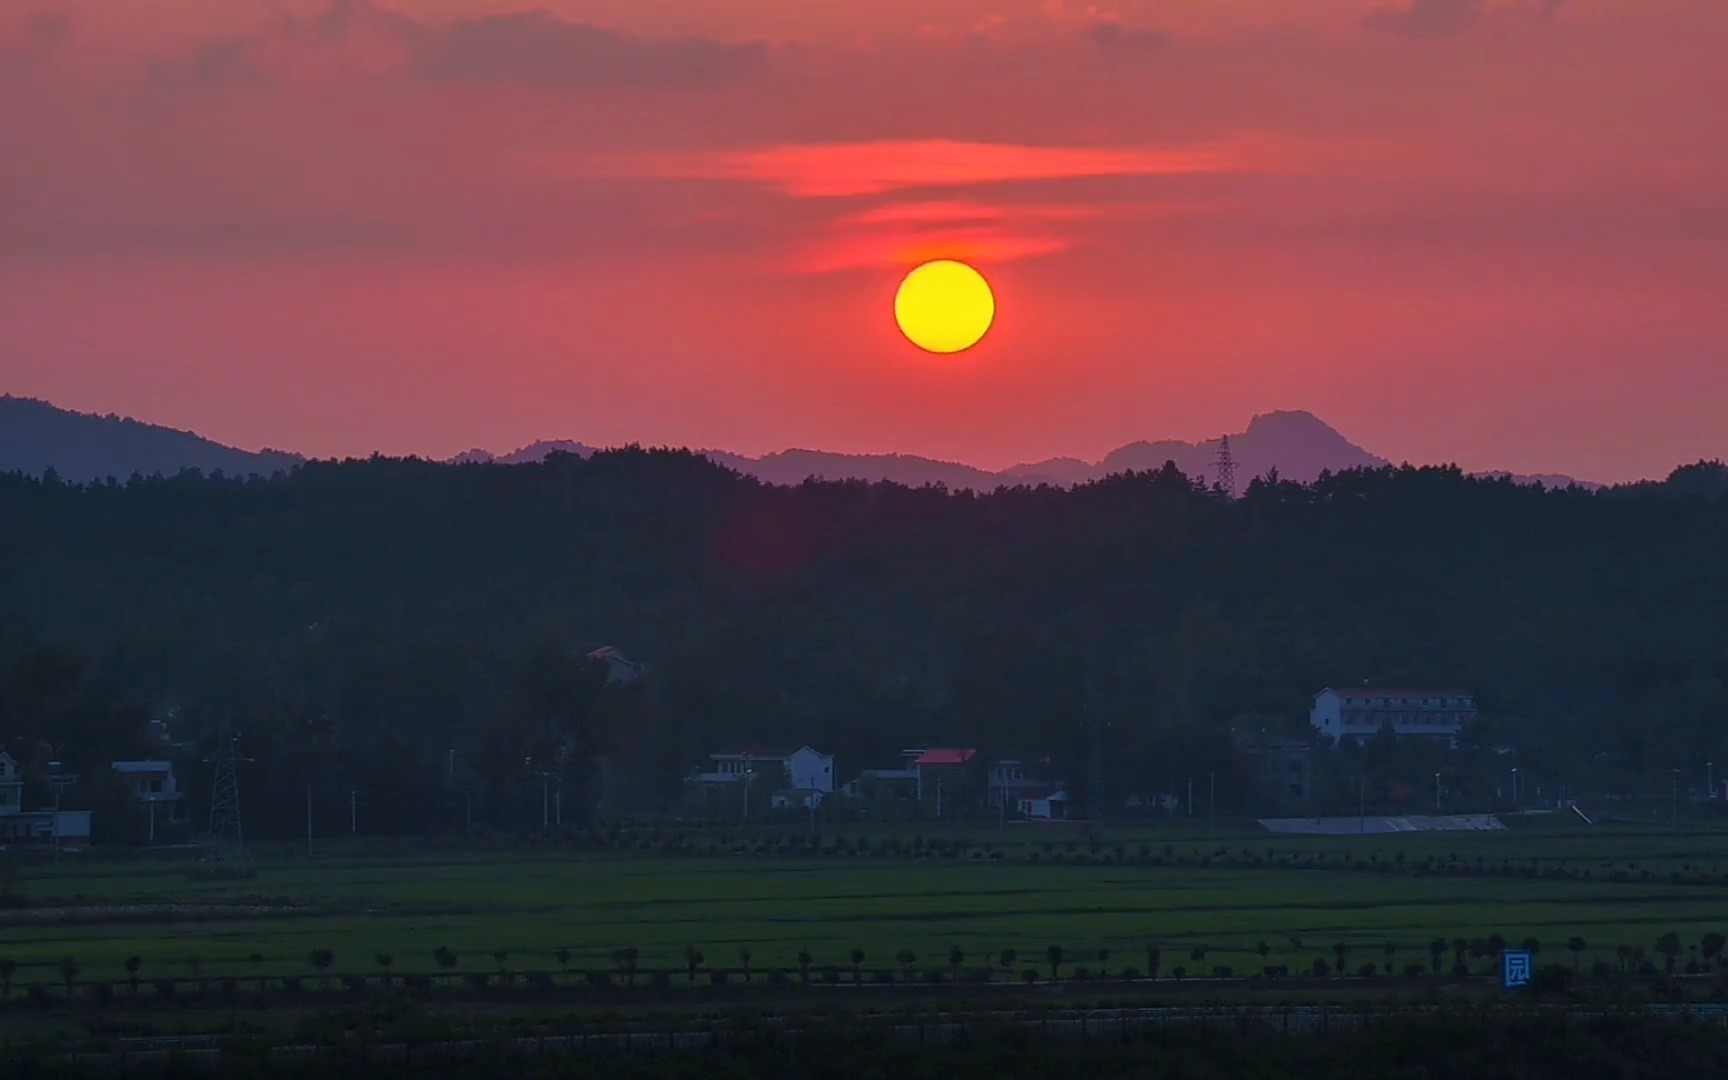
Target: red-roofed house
{"x":940,"y":756}
{"x":1360,"y":712}
{"x":943,"y":778}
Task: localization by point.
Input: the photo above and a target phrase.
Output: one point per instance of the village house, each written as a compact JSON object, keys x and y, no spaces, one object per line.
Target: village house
{"x":154,"y":786}
{"x":62,"y":830}
{"x":949,"y":781}
{"x":1010,"y":780}
{"x":1043,"y":804}
{"x":871,"y":782}
{"x":1284,"y":766}
{"x":1359,"y":713}
{"x":619,"y":668}
{"x":792,"y":777}
{"x":942,"y":781}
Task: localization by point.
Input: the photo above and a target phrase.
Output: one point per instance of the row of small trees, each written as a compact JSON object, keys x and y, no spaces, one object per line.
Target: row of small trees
{"x":1707,"y":953}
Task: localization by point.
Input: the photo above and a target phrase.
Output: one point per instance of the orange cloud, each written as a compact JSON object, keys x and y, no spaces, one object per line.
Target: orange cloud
{"x":903,"y":234}
{"x":841,"y":170}
{"x":982,"y":245}
{"x":956,"y":212}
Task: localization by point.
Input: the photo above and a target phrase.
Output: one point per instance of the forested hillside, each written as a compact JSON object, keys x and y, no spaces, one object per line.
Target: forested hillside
{"x":401,"y":626}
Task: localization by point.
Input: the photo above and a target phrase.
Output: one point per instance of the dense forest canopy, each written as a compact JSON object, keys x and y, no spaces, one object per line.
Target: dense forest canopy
{"x":400,"y":626}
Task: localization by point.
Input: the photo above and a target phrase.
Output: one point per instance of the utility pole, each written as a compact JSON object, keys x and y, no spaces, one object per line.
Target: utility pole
{"x":1436,"y":793}
{"x":749,"y":774}
{"x":1514,"y":789}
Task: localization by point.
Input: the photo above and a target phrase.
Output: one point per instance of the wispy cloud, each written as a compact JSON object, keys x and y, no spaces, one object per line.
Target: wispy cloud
{"x":38,"y":35}
{"x":905,"y":233}
{"x":1448,"y":18}
{"x":538,"y":47}
{"x":949,"y":213}
{"x":534,"y":47}
{"x":1115,"y":39}
{"x":843,"y":170}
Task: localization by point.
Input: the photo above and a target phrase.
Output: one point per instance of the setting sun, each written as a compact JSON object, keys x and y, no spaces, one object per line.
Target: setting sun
{"x":944,"y":307}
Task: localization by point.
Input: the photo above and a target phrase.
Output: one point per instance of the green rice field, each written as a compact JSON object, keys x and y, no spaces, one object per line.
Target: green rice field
{"x":1363,"y":892}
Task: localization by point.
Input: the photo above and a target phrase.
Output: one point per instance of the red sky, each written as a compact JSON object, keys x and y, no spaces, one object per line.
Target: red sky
{"x":1484,"y":231}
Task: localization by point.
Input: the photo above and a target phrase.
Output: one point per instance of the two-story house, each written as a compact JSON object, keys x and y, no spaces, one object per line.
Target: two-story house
{"x":154,"y":786}
{"x":944,"y":777}
{"x":65,"y":830}
{"x":1359,"y":713}
{"x":1011,"y":780}
{"x":790,"y":776}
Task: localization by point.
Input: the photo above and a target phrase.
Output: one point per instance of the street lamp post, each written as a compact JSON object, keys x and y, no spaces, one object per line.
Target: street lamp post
{"x":1211,"y":800}
{"x":1710,"y":777}
{"x":749,"y":774}
{"x":1436,"y":793}
{"x":1675,"y":795}
{"x":1362,"y":803}
{"x":1514,"y":789}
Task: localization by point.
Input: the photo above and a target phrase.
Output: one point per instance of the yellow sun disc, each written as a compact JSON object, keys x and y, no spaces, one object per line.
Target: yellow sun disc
{"x":944,"y":307}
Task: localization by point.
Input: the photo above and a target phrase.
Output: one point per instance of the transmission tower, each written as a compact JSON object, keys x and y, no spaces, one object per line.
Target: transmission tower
{"x":225,"y":845}
{"x":1226,"y":468}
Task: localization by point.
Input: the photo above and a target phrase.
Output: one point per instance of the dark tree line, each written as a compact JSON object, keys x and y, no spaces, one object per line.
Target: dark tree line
{"x":413,"y":632}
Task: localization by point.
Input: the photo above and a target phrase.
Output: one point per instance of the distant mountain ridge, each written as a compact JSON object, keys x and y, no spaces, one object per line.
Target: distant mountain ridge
{"x":1298,"y":444}
{"x":81,"y":447}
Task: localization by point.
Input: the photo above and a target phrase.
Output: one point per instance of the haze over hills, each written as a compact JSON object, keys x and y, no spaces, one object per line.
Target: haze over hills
{"x":35,"y":435}
{"x":1298,"y":444}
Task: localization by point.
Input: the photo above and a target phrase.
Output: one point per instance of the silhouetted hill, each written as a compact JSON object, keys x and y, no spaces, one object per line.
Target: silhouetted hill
{"x":1300,"y":446}
{"x":36,"y":436}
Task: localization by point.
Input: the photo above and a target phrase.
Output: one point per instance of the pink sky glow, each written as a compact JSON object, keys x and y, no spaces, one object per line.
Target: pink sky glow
{"x":1482,"y":231}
